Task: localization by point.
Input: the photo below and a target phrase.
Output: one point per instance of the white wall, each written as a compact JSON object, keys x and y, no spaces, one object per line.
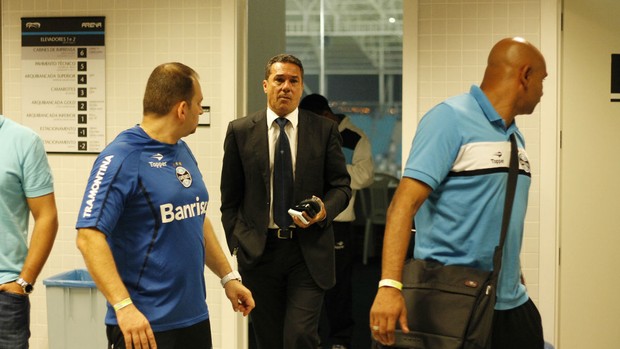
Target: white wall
{"x":139,"y":36}
{"x":589,"y":307}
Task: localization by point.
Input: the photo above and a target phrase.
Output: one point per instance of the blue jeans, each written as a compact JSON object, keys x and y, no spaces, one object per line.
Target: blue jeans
{"x":14,"y":321}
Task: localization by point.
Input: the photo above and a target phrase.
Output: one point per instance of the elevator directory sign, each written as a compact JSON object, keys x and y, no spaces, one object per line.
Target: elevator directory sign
{"x":615,"y":77}
{"x":63,"y":82}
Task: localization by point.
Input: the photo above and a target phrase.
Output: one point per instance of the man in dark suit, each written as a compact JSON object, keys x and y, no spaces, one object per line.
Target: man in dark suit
{"x":287,"y":265}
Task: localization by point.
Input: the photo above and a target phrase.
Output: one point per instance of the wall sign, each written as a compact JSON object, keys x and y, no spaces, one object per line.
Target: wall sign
{"x":63,"y":82}
{"x":205,"y":118}
{"x":615,"y":77}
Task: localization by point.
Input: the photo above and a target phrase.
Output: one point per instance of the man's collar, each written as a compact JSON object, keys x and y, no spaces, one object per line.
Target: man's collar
{"x":486,"y":106}
{"x":293,"y":117}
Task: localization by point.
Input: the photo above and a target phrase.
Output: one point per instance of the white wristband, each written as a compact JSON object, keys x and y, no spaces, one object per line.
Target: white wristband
{"x":233,"y":275}
{"x":120,"y":305}
{"x":391,"y":283}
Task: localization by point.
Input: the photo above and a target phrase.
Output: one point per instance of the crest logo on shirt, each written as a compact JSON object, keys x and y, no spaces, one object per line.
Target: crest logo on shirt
{"x":524,"y":162}
{"x":184,"y":176}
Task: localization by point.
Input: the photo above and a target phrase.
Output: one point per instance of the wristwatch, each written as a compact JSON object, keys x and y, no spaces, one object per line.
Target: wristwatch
{"x":233,"y":275}
{"x":26,"y":286}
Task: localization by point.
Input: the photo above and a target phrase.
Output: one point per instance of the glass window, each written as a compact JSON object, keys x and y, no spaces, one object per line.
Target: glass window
{"x":357,"y":65}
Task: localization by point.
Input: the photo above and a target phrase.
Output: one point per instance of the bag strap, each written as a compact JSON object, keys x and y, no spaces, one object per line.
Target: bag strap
{"x":511,"y":186}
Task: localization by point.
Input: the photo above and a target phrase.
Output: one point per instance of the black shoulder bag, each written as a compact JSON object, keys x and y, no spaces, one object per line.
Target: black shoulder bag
{"x":451,"y":306}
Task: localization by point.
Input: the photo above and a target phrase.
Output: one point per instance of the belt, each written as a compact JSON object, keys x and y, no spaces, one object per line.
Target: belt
{"x":282,"y":234}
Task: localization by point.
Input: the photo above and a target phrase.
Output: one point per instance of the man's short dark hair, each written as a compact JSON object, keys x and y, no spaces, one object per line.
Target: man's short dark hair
{"x":168,"y":84}
{"x":315,"y":103}
{"x":283,"y":58}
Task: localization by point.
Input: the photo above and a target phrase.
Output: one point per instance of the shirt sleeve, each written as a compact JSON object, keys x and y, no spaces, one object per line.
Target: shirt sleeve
{"x":361,"y":169}
{"x":435,"y":146}
{"x":112,"y":180}
{"x":37,"y":175}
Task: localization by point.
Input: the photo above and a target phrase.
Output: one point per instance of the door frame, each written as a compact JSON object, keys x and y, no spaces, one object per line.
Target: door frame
{"x":550,"y":30}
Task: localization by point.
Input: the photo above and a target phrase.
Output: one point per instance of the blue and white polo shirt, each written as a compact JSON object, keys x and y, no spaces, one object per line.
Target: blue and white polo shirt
{"x":462,"y":151}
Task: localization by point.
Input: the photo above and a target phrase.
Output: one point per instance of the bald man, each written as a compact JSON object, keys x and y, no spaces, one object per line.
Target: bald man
{"x":454,"y":183}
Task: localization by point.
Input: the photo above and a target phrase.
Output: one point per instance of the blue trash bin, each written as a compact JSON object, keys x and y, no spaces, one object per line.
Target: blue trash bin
{"x":75,"y":311}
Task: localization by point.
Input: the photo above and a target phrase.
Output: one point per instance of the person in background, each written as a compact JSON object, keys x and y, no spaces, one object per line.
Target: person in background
{"x":358,"y":154}
{"x":288,"y":263}
{"x":455,"y":184}
{"x":143,"y":229}
{"x":26,"y":186}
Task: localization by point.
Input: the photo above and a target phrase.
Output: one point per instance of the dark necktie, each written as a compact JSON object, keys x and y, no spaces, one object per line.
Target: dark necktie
{"x":282,"y":179}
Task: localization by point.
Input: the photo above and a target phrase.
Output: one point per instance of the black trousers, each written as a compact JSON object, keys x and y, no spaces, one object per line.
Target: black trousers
{"x":518,"y":328}
{"x":288,"y":301}
{"x":339,"y":299}
{"x":197,"y":336}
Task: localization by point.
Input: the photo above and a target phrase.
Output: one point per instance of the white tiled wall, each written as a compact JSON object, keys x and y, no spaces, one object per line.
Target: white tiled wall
{"x":140,"y":34}
{"x":455,"y":37}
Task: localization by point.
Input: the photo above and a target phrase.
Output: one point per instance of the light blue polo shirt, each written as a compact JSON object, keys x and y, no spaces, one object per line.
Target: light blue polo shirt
{"x":462,"y":151}
{"x":24,"y":173}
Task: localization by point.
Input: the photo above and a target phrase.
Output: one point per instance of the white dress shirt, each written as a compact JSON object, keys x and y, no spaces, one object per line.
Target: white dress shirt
{"x":273,"y":132}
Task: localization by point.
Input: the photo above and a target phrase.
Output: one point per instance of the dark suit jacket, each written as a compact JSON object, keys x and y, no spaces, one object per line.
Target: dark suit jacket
{"x":245,"y":188}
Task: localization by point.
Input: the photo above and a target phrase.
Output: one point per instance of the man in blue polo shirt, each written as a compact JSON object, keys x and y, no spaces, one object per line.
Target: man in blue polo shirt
{"x":143,"y":230}
{"x":26,"y":186}
{"x":454,"y":183}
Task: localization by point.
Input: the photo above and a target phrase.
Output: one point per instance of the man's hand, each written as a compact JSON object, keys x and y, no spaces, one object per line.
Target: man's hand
{"x":388,"y":307}
{"x":12,"y":287}
{"x":136,"y":328}
{"x":311,"y":220}
{"x":240,"y":297}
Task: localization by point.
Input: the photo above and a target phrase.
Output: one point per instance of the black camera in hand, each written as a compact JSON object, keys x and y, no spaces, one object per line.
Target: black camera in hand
{"x":310,"y":206}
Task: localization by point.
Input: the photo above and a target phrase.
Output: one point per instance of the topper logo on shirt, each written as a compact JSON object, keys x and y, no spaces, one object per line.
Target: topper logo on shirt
{"x":183,"y":176}
{"x":158,"y":163}
{"x":499,"y":159}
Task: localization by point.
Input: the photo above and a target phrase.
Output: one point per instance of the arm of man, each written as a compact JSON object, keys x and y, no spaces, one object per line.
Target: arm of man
{"x":389,"y":304}
{"x":337,"y":183}
{"x":100,"y":263}
{"x":361,"y":168}
{"x":231,"y":186}
{"x":337,"y":180}
{"x":43,"y":209}
{"x":215,"y":259}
